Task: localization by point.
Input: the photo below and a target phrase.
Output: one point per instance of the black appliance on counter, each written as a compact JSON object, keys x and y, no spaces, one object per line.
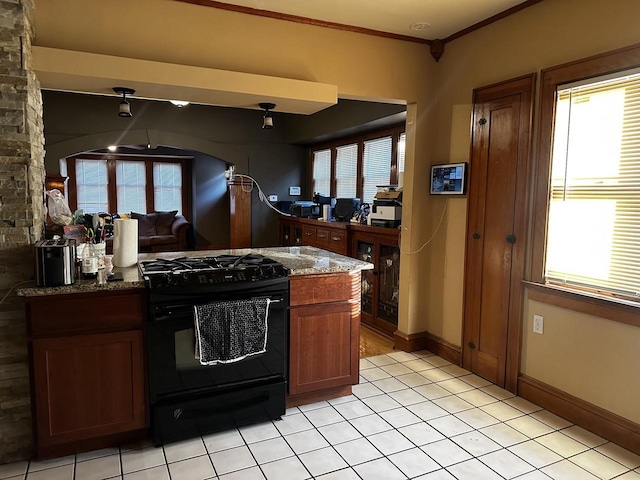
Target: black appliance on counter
{"x":305,"y":209}
{"x":189,"y":399}
{"x":345,"y":208}
{"x":55,"y":262}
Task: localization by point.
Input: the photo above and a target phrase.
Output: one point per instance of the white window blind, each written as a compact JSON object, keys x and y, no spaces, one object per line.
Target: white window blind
{"x":322,"y":172}
{"x":593,"y":237}
{"x":376,"y":166}
{"x":91,"y":185}
{"x":131,"y":186}
{"x":167,"y":182}
{"x":402,"y":141}
{"x":346,"y":171}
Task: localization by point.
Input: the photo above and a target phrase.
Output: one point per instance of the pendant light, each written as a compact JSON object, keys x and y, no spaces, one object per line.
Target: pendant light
{"x":267,"y":120}
{"x":124,"y":109}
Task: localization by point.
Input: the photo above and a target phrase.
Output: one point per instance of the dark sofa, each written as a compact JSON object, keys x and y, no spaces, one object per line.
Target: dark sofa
{"x":160,"y":232}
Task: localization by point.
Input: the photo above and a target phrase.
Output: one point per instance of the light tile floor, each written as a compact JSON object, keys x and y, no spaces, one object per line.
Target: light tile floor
{"x":412,"y":416}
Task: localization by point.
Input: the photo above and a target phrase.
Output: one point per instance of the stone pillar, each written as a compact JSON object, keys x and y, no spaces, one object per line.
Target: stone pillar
{"x":21,"y":216}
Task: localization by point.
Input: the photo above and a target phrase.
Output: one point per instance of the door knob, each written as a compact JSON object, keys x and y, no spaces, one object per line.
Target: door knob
{"x":476,"y":236}
{"x":472,"y":345}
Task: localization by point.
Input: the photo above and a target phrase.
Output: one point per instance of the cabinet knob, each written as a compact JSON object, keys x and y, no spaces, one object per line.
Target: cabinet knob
{"x":335,"y":239}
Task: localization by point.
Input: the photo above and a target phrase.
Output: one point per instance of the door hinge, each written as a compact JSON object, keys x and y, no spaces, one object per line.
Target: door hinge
{"x":476,"y":236}
{"x":482,"y":121}
{"x":511,"y":239}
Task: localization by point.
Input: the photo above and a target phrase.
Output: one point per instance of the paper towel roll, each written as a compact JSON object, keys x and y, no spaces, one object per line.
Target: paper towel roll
{"x":326,"y":212}
{"x":125,"y":242}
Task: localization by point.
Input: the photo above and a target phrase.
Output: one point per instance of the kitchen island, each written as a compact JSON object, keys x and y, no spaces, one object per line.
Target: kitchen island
{"x":88,"y":351}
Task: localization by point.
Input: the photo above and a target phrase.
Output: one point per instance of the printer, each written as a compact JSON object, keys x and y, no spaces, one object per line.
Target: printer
{"x":386,"y":210}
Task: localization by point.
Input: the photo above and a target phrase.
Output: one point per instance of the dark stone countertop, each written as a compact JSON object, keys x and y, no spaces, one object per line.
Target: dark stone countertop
{"x":300,"y":260}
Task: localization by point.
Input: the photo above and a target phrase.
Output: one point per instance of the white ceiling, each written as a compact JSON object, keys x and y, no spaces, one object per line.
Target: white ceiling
{"x":442,"y":17}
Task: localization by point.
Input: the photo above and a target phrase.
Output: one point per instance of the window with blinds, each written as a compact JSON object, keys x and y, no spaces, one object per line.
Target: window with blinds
{"x":131,"y":186}
{"x":401,"y":146}
{"x":346,"y":170}
{"x":322,"y":172}
{"x":167,"y":183}
{"x":119,"y":183}
{"x":91,"y":185}
{"x":376,"y":166}
{"x":593,"y":234}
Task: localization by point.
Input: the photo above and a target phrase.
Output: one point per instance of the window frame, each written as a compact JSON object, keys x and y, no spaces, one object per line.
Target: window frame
{"x":149,"y":160}
{"x":564,"y":295}
{"x":394,"y":132}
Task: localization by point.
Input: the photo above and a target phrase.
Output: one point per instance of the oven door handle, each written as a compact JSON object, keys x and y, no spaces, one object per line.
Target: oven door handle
{"x":198,"y":413}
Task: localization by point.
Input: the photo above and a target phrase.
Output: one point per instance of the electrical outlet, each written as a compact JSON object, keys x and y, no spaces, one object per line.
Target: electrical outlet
{"x":273,"y":198}
{"x":538,"y":324}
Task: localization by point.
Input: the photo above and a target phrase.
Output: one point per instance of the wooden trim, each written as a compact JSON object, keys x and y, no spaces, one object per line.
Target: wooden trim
{"x":617,"y":310}
{"x":313,"y":397}
{"x":426,"y":341}
{"x":609,"y":62}
{"x":305,"y":20}
{"x":595,"y":419}
{"x":439,"y":43}
{"x":490,"y":20}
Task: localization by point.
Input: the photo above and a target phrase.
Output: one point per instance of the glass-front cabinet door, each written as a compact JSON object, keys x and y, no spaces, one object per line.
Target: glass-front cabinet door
{"x":388,"y":284}
{"x":365,"y":252}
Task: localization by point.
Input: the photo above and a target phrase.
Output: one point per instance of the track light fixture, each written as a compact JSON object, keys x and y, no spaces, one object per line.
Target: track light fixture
{"x":267,"y":120}
{"x":125,"y":108}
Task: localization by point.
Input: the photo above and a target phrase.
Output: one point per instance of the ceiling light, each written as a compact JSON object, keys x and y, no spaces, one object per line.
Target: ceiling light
{"x":267,"y":120}
{"x":419,"y":26}
{"x":112,"y":148}
{"x":179,"y":103}
{"x":125,"y":108}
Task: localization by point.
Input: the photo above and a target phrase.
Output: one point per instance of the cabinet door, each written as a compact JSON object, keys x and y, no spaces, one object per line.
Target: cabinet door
{"x":285,"y":234}
{"x":388,"y":284}
{"x":365,"y":250}
{"x":323,"y":339}
{"x":88,"y":386}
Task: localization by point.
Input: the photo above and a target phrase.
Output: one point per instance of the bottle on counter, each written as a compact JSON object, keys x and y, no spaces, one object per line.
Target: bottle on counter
{"x":89,"y":262}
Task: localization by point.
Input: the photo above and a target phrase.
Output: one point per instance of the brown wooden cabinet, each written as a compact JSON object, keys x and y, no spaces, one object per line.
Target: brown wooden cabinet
{"x":378,"y":245}
{"x":324,"y":336}
{"x":330,"y":236}
{"x":87,"y":361}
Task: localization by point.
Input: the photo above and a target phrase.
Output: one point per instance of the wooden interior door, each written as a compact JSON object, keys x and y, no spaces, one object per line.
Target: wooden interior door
{"x":496,"y":230}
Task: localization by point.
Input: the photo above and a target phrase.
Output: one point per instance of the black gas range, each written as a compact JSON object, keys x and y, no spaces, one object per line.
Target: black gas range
{"x":190,"y":397}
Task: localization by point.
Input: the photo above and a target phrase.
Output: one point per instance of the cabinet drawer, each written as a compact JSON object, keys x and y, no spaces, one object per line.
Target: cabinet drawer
{"x":338,"y":241}
{"x":308,"y":235}
{"x":85,"y":313}
{"x":322,"y":237}
{"x":334,"y":287}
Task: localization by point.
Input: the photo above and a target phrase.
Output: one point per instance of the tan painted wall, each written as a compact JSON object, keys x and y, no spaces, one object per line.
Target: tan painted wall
{"x":549,"y":33}
{"x":185,"y":34}
{"x":588,"y":357}
{"x":179,"y":33}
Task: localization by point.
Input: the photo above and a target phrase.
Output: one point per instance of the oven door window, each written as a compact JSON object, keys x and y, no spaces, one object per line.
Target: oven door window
{"x":173,"y":367}
{"x":185,"y":346}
